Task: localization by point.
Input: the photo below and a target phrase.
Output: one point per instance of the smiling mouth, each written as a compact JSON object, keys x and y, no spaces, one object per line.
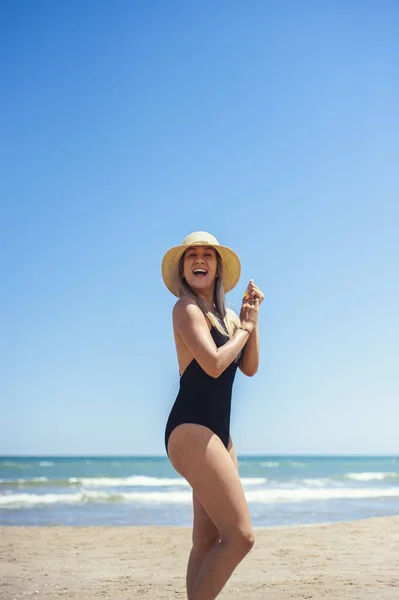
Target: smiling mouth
{"x":200,"y":272}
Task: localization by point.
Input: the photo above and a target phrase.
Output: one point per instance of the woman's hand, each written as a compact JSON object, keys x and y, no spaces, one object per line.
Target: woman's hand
{"x":250,"y":306}
{"x":253,"y":291}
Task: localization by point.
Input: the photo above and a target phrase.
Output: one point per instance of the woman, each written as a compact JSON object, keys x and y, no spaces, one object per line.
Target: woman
{"x":211,"y":342}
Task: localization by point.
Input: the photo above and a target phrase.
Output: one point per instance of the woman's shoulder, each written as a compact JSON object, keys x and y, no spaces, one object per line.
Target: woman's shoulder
{"x":182,"y":304}
{"x":186,"y":307}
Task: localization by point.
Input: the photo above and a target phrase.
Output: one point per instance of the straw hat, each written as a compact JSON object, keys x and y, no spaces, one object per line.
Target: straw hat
{"x":231,"y":262}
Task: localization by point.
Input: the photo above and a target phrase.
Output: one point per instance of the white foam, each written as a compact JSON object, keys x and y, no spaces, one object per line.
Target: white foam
{"x":143,"y":481}
{"x":304,"y":494}
{"x":45,"y":463}
{"x":30,"y":500}
{"x":370,"y":476}
{"x":20,"y":500}
{"x":136,"y":480}
{"x":133,"y":481}
{"x":253,"y":481}
{"x":184,"y":496}
{"x":269,"y":464}
{"x":317,"y":482}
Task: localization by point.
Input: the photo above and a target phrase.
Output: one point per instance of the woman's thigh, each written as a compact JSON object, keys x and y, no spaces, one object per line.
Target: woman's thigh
{"x":205,"y":531}
{"x":199,"y":456}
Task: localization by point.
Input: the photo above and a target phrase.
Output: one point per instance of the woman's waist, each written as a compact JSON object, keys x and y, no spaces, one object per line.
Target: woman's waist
{"x":195,"y":378}
{"x":204,"y":399}
{"x":205,"y":390}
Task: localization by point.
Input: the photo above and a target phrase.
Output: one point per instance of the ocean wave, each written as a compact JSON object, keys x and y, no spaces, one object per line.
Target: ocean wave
{"x":371,"y":476}
{"x":318,"y":482}
{"x":114,"y":482}
{"x":21,"y":480}
{"x":46,"y":463}
{"x":304,"y":494}
{"x":143,"y":481}
{"x":134,"y":480}
{"x":25,"y":500}
{"x":270,"y":464}
{"x":14,"y":465}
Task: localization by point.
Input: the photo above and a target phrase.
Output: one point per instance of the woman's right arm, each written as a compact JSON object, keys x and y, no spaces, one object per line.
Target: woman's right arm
{"x":190,"y":324}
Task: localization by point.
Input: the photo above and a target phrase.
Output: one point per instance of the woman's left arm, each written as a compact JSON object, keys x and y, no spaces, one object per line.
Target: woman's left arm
{"x":249,"y":361}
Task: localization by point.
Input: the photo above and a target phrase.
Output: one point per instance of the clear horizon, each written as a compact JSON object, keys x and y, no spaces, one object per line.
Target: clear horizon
{"x":6,"y":456}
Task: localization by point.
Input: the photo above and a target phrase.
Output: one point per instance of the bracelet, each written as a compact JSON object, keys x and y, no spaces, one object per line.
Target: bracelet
{"x":244,"y":329}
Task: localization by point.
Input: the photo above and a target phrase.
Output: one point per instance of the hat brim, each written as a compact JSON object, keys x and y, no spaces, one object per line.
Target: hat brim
{"x":230,"y":263}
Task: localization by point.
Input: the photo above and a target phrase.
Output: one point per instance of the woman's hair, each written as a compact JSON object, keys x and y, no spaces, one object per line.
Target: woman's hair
{"x":219,"y":300}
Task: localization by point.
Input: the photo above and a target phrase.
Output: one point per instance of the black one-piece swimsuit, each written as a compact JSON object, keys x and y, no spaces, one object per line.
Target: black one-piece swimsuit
{"x":204,"y":400}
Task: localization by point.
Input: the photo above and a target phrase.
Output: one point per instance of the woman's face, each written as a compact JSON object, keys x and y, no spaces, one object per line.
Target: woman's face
{"x":199,"y":267}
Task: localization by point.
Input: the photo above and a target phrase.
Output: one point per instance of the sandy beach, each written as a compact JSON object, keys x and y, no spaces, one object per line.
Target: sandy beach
{"x":355,"y":560}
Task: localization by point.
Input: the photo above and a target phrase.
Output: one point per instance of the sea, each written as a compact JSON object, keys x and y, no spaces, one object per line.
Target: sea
{"x":140,"y":490}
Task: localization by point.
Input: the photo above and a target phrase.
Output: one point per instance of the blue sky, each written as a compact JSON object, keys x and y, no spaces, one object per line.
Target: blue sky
{"x":127,"y":125}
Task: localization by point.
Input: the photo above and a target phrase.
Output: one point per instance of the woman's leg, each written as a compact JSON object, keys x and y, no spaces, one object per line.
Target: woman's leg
{"x":205,"y":533}
{"x":205,"y":536}
{"x":199,"y":456}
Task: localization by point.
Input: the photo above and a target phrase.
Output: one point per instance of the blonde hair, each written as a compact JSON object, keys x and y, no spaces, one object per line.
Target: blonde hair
{"x":219,"y":299}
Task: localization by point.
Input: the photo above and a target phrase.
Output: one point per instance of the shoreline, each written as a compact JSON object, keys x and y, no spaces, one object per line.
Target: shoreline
{"x":345,"y":560}
{"x":189,"y":527}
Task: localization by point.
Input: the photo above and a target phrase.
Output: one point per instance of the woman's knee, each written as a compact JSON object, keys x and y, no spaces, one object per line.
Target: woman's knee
{"x":203,"y":544}
{"x":247,"y":539}
{"x":242,"y":540}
